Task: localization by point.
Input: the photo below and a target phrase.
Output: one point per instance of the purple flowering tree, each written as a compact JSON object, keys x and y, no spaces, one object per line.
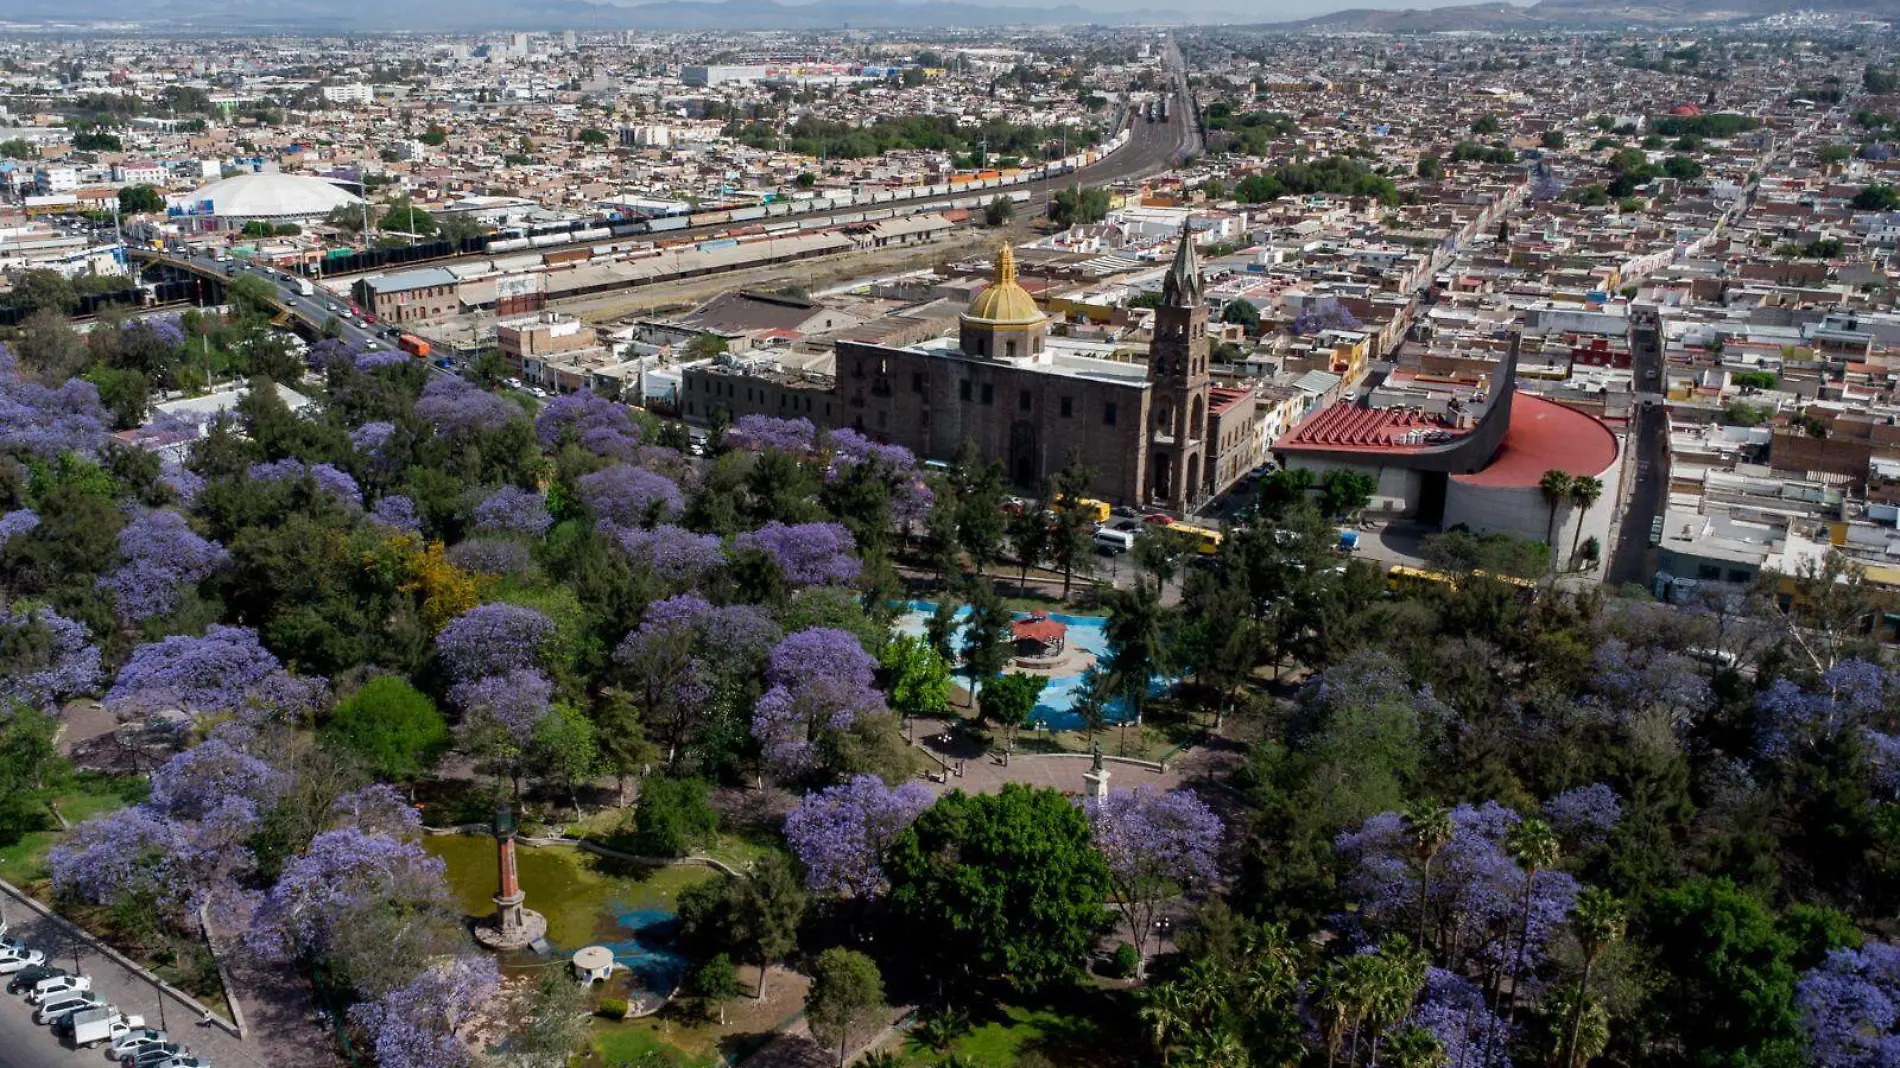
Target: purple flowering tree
{"x":1324,"y":314}
{"x":1850,"y":1007}
{"x":342,"y":869}
{"x":379,"y":359}
{"x":819,"y":680}
{"x":601,"y":426}
{"x":133,"y":851}
{"x":40,"y":421}
{"x":629,"y":496}
{"x":455,"y":407}
{"x":331,"y":480}
{"x":1155,"y":843}
{"x":183,"y":483}
{"x":1476,"y":908}
{"x":840,"y":833}
{"x":686,"y":653}
{"x":1585,"y":815}
{"x":45,"y":658}
{"x":1643,"y":684}
{"x":500,"y":715}
{"x":163,"y":556}
{"x":17,"y":522}
{"x":420,"y":1025}
{"x":493,"y":639}
{"x":760,"y":432}
{"x":513,"y":510}
{"x":378,"y":808}
{"x":807,"y":554}
{"x":225,"y":671}
{"x":1853,"y":698}
{"x":196,"y":782}
{"x":1453,"y":1011}
{"x":491,"y":556}
{"x":396,"y":513}
{"x":370,"y":438}
{"x":331,"y":351}
{"x":672,"y":554}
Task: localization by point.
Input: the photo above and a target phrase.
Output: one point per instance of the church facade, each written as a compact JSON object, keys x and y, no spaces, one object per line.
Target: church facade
{"x":1142,"y":428}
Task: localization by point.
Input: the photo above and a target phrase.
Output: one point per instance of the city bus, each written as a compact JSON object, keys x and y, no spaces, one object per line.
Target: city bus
{"x":1088,"y":506}
{"x":1205,"y":541}
{"x":1403,"y":579}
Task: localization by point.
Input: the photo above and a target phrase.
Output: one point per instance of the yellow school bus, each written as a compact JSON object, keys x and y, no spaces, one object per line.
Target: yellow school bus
{"x":1205,"y":541}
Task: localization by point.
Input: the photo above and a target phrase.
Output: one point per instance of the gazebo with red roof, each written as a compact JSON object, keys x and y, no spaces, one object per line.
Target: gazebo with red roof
{"x":1038,"y":635}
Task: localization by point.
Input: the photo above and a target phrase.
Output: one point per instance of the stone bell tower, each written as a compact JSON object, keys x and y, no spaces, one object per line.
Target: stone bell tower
{"x":1179,"y":385}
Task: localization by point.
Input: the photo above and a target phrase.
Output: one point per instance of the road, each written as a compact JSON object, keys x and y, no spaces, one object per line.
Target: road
{"x":1633,"y":560}
{"x":319,"y":307}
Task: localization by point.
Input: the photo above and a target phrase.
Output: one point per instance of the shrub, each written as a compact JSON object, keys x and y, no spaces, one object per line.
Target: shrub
{"x":673,"y":816}
{"x":612,"y":1008}
{"x":1127,"y":961}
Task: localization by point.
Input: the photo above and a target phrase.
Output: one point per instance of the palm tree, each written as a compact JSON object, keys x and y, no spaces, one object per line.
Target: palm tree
{"x":1555,"y":486}
{"x":1219,"y":1049}
{"x":1584,"y":493}
{"x":1535,"y":846}
{"x":1164,"y":1012}
{"x":1597,"y":921}
{"x":1429,"y":825}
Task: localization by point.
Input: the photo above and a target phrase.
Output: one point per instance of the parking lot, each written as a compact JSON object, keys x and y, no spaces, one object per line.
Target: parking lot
{"x":25,"y":1044}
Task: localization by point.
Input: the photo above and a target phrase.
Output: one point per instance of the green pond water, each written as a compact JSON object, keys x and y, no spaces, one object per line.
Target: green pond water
{"x":587,"y":899}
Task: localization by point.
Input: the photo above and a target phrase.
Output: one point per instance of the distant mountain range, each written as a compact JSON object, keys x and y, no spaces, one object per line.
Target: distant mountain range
{"x":362,"y":16}
{"x":1562,"y":13}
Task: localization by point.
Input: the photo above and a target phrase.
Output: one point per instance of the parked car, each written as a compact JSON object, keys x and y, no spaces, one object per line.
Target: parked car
{"x":184,"y":1062}
{"x":13,"y":963}
{"x":59,"y":1007}
{"x":48,"y":989}
{"x":29,"y":978}
{"x":138,"y":1041}
{"x":151,"y":1055}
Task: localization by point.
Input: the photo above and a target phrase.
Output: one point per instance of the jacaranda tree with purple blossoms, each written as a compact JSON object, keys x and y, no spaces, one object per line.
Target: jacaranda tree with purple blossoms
{"x":224,"y":672}
{"x":493,"y":639}
{"x":1850,"y":1007}
{"x":819,"y":681}
{"x":419,"y":1025}
{"x":163,"y":556}
{"x":45,"y":658}
{"x":688,"y":657}
{"x":807,"y":554}
{"x":1156,"y":844}
{"x":840,"y":833}
{"x":601,"y":426}
{"x":629,"y":496}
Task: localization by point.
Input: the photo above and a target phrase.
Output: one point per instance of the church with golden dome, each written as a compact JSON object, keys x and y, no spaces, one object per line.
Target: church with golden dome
{"x":1147,"y":429}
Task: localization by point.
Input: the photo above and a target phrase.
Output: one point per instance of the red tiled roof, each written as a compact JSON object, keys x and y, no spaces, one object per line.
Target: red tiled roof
{"x":1348,"y":428}
{"x":1038,"y":628}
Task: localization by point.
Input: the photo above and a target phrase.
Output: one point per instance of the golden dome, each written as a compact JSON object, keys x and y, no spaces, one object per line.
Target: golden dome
{"x":1003,"y":302}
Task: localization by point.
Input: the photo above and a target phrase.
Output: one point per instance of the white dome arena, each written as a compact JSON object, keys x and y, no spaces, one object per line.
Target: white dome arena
{"x":274,"y":197}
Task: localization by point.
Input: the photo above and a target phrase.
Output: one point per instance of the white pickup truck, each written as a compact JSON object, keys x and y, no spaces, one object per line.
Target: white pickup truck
{"x":95,"y":1027}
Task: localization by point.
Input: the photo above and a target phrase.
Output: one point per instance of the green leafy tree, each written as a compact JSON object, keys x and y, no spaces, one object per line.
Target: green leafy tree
{"x":846,"y":998}
{"x":673,"y":816}
{"x":553,"y":1022}
{"x":998,"y":888}
{"x":767,"y":911}
{"x":1726,"y":988}
{"x":593,"y":137}
{"x":31,"y":769}
{"x":140,"y":198}
{"x":714,"y":981}
{"x":1009,"y":701}
{"x":1138,"y":643}
{"x":986,"y":635}
{"x":1342,"y":493}
{"x":998,"y":211}
{"x":395,"y":728}
{"x":1029,"y":538}
{"x":565,"y":751}
{"x":916,"y":676}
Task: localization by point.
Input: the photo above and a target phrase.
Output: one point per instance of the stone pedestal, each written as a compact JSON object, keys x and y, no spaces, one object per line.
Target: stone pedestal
{"x":1095,"y":783}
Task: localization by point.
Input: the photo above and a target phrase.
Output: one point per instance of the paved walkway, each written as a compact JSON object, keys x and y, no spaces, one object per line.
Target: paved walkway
{"x":984,"y":774}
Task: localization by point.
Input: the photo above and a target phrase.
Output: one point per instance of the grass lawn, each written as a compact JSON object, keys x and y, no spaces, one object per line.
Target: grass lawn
{"x":24,"y":861}
{"x":1065,"y":1036}
{"x":627,"y":1042}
